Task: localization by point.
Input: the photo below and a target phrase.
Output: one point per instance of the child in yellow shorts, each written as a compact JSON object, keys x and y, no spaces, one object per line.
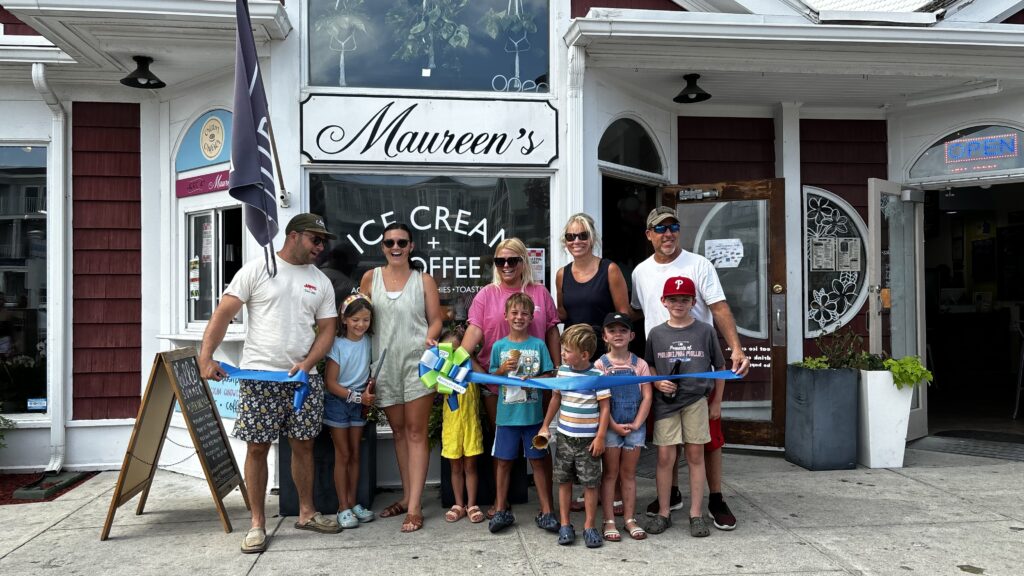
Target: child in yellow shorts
{"x":462,"y":440}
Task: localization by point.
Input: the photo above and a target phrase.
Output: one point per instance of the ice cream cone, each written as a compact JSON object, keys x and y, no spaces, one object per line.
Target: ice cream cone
{"x":540,"y":442}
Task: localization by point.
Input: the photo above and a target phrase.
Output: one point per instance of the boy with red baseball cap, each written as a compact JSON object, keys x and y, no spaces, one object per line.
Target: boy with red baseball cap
{"x":681,"y":345}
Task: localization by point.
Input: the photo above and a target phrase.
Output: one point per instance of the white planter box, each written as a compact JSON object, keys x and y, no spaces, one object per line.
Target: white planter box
{"x":884,"y":415}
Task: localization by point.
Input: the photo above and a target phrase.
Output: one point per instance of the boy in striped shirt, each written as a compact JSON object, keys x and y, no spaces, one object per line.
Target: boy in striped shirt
{"x":582,"y":424}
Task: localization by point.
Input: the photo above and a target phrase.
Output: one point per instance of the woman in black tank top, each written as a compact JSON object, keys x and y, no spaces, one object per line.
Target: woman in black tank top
{"x":589,"y":287}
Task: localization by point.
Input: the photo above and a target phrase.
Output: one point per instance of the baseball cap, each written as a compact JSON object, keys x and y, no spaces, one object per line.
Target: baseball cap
{"x":660,"y":214}
{"x":617,"y":318}
{"x":679,"y":286}
{"x":308,"y":223}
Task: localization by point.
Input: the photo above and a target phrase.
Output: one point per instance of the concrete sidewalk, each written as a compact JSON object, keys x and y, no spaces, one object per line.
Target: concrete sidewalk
{"x":941,"y":514}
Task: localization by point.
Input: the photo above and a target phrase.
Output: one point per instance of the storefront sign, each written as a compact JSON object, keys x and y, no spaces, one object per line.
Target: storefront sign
{"x":988,"y":148}
{"x":381,"y":129}
{"x":201,"y":165}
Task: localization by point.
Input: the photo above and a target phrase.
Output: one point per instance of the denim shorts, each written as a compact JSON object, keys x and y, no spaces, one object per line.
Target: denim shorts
{"x":635,"y":439}
{"x":338,"y":413}
{"x":507,"y":440}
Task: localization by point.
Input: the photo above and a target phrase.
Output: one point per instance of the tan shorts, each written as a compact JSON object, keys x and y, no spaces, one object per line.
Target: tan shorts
{"x":688,"y":426}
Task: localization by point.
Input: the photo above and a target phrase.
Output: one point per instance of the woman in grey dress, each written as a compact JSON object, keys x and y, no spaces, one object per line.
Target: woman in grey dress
{"x":406,"y":320}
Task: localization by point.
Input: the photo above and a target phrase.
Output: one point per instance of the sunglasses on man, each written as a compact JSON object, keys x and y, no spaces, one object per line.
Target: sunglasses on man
{"x":573,"y":236}
{"x":662,"y":228}
{"x":316,"y":240}
{"x":511,"y":261}
{"x":390,"y":243}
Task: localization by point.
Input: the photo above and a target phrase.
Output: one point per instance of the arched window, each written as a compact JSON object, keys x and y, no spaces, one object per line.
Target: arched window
{"x":978,"y":149}
{"x":626,"y":143}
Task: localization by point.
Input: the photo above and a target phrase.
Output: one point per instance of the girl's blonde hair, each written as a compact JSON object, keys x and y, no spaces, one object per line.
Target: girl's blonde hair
{"x":516,"y":245}
{"x":587,"y":223}
{"x":581,"y":338}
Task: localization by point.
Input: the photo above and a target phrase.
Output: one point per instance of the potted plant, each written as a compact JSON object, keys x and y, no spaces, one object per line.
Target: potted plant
{"x":886,"y":391}
{"x":821,"y":404}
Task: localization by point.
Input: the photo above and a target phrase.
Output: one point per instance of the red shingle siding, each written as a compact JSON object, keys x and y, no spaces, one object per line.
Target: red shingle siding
{"x":581,"y":7}
{"x":106,"y":262}
{"x":725,"y":149}
{"x":1017,"y":18}
{"x":840,"y":156}
{"x":13,"y":26}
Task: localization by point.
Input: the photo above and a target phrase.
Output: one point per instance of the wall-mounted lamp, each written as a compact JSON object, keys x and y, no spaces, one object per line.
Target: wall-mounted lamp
{"x":691,"y":93}
{"x":141,"y":77}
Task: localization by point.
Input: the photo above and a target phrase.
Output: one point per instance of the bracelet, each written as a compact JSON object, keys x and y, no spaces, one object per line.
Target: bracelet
{"x":355,"y":397}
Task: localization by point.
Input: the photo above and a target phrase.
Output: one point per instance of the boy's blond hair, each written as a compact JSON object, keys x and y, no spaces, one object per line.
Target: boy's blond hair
{"x":581,"y":338}
{"x":520,"y":299}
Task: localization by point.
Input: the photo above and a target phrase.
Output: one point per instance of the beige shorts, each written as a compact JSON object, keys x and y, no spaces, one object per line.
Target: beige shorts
{"x":688,"y":426}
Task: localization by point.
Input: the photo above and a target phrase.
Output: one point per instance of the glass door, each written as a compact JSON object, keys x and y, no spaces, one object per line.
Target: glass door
{"x":896,"y":282}
{"x":739,"y":227}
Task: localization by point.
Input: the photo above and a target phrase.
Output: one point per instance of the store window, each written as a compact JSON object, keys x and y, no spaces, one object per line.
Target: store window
{"x":490,"y":45}
{"x":214,"y":256}
{"x":22,"y":279}
{"x":835,"y":262}
{"x":456,"y":223}
{"x":988,"y":148}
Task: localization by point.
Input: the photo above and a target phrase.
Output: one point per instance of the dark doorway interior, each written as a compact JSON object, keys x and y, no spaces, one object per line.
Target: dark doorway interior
{"x":974,"y":296}
{"x":624,"y":206}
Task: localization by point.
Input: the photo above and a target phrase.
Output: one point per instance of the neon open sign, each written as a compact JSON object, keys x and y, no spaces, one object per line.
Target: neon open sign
{"x":982,"y":148}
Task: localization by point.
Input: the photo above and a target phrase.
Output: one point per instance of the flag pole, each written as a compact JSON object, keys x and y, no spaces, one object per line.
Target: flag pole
{"x":284,"y":196}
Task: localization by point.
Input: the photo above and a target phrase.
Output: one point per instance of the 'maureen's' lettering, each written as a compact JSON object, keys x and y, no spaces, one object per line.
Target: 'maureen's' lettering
{"x":379,"y":130}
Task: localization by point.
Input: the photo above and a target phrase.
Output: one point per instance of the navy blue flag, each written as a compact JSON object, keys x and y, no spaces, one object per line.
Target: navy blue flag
{"x":251,"y":179}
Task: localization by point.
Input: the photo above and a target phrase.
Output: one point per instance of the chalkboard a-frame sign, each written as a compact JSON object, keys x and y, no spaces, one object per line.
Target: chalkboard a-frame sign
{"x":176,"y":376}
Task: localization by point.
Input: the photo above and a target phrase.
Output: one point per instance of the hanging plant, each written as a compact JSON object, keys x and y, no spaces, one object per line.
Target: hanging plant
{"x":429,"y":29}
{"x":340,"y":27}
{"x":514,"y":20}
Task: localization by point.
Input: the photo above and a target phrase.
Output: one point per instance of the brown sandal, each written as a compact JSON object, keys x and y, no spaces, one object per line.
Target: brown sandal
{"x":455,"y":513}
{"x":475,"y":515}
{"x":413,"y":522}
{"x":393,"y":510}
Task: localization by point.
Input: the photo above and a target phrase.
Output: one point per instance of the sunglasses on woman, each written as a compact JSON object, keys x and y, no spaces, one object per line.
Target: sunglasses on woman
{"x":390,"y":243}
{"x":573,"y":236}
{"x":662,"y":228}
{"x":512,"y":261}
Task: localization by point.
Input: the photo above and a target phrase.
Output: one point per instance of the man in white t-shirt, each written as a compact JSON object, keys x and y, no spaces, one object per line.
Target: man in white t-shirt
{"x":291,"y":326}
{"x":669,"y":260}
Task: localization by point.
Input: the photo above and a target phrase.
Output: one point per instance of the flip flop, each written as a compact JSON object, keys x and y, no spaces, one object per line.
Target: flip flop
{"x":393,"y":510}
{"x":414,"y":521}
{"x":455,"y":513}
{"x":475,"y":515}
{"x":320,"y":523}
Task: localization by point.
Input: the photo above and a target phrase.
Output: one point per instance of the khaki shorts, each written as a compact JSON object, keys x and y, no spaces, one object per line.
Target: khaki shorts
{"x":688,"y":426}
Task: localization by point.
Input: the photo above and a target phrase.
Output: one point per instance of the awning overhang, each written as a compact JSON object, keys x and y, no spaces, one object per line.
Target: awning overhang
{"x":752,"y":59}
{"x":188,"y":39}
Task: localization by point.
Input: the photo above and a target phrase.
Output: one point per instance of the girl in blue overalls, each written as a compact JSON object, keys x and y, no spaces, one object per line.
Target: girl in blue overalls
{"x":627,"y":428}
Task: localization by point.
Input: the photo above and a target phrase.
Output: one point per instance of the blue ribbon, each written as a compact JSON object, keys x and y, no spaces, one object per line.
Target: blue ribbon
{"x":577,"y":383}
{"x":301,"y":378}
{"x":437,"y":361}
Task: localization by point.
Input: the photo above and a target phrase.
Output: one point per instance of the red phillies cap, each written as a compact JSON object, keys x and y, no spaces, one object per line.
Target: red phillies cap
{"x":679,"y":286}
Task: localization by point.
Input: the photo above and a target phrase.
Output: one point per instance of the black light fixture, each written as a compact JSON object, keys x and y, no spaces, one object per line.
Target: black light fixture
{"x":141,"y":77}
{"x":692,"y":93}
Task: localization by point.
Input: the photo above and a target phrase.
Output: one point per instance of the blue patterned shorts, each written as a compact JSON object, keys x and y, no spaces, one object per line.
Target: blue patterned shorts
{"x":265,"y":411}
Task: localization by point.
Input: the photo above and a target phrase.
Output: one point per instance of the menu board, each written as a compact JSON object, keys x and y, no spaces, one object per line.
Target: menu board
{"x":175,"y":377}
